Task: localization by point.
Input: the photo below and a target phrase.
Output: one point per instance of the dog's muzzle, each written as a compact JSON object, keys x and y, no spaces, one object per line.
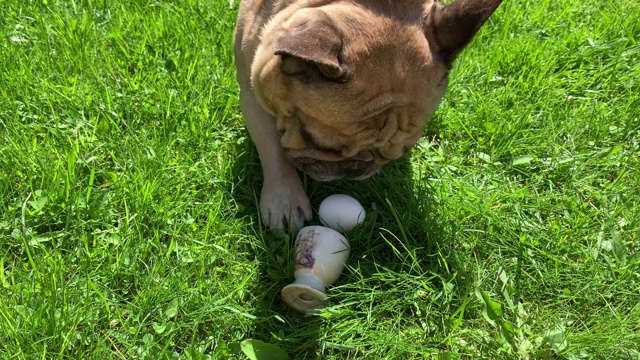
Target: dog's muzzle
{"x":322,"y":170}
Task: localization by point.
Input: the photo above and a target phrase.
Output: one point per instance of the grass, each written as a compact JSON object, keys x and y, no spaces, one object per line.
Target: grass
{"x":128,"y":187}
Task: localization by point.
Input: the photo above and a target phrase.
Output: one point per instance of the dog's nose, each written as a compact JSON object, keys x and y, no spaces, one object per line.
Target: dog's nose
{"x":364,"y":155}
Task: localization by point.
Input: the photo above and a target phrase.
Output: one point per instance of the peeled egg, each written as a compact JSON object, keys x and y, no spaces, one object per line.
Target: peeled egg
{"x":341,"y":212}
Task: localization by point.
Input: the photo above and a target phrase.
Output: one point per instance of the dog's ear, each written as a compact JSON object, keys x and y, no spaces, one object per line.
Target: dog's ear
{"x":453,"y":26}
{"x":312,"y":46}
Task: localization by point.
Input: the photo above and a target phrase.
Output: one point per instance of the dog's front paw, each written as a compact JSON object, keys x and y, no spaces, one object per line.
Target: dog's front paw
{"x":284,"y":203}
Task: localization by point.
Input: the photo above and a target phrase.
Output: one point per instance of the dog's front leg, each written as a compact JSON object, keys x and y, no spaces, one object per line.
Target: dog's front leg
{"x":283,"y":201}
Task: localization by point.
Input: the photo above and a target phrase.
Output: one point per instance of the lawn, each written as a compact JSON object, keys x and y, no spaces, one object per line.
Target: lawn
{"x":128,"y":184}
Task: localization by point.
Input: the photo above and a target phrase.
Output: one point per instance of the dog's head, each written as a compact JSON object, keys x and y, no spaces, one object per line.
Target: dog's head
{"x":352,"y":83}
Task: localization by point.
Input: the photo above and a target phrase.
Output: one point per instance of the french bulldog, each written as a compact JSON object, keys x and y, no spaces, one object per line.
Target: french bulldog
{"x":338,"y":88}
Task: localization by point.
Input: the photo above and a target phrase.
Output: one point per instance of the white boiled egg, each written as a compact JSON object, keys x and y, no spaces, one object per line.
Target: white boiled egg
{"x":341,"y":212}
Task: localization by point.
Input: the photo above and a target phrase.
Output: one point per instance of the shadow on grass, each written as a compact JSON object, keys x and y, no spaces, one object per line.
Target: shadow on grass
{"x":403,"y":234}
